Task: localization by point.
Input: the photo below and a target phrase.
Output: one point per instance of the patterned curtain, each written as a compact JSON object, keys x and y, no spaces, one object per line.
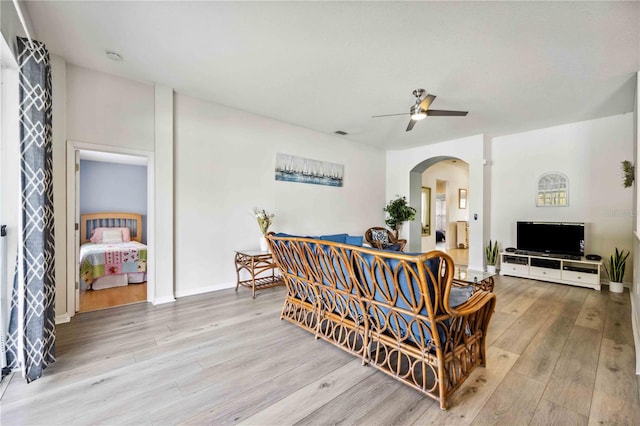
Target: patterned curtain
{"x":30,"y":344}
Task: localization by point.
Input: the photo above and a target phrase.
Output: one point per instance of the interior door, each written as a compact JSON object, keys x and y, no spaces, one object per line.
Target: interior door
{"x":76,"y":233}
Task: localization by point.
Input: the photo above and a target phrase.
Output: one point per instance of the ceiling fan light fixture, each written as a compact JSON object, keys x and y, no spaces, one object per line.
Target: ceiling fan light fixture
{"x":417,"y":114}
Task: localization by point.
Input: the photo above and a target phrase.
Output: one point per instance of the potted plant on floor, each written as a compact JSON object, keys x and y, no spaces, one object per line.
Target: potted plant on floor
{"x":615,"y":270}
{"x":399,"y":211}
{"x":491,"y":254}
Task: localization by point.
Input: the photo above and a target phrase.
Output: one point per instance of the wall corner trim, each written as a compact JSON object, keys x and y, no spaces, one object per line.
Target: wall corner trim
{"x":163,"y":300}
{"x":61,"y":319}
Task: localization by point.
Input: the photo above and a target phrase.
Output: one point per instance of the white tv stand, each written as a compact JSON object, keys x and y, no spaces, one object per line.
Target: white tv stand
{"x":582,"y":272}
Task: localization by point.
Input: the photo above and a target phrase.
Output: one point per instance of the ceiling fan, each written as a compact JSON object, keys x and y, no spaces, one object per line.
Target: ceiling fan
{"x":421,"y":109}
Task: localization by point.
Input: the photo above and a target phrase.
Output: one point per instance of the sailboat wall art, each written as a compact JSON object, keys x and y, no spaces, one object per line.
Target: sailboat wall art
{"x":290,"y":168}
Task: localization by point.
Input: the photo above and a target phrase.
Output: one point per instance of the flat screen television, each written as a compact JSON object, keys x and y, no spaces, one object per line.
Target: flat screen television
{"x":551,"y":237}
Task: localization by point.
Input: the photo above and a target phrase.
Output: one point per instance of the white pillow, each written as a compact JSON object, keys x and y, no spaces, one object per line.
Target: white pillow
{"x":111,"y":236}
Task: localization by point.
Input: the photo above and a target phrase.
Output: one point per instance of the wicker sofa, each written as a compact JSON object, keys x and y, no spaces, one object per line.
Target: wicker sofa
{"x":401,"y":313}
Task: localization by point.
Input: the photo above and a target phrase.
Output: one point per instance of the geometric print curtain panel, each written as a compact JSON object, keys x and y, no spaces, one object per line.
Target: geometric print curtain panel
{"x":31,"y":337}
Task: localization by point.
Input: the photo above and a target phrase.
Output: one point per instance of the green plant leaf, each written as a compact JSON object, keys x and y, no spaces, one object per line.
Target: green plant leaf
{"x":399,"y":211}
{"x":617,"y":265}
{"x":491,"y":253}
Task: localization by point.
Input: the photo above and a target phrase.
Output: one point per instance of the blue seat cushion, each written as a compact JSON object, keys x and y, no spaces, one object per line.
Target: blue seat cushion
{"x":283,"y":235}
{"x":336,"y":238}
{"x":354,"y":241}
{"x":459,"y":295}
{"x":399,"y":324}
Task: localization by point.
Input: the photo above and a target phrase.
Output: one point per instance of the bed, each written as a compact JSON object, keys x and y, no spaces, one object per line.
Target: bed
{"x":111,"y":251}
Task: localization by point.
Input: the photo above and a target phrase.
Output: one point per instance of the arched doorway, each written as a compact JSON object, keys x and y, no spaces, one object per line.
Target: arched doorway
{"x":445,"y":217}
{"x":475,"y":211}
{"x":404,"y":178}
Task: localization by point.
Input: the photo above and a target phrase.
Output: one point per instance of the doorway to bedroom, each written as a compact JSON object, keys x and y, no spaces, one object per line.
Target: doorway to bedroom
{"x":112,"y":183}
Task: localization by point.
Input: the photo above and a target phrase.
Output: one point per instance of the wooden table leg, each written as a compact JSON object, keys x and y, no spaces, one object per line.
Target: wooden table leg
{"x":237,"y":272}
{"x":253,"y":279}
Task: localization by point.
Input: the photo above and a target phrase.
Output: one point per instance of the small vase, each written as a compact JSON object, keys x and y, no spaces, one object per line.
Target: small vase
{"x":491,"y":269}
{"x":264,"y":246}
{"x":615,"y":287}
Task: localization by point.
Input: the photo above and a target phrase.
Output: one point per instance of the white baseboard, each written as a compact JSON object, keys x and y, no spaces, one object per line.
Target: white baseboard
{"x":4,"y":383}
{"x":208,"y":289}
{"x":163,"y":300}
{"x":625,"y":284}
{"x":61,"y":319}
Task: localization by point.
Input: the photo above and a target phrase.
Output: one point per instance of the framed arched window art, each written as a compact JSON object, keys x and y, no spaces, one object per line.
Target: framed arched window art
{"x":552,"y":190}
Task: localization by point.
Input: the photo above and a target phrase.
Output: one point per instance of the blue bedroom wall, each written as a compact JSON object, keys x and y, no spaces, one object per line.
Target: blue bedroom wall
{"x":111,"y":187}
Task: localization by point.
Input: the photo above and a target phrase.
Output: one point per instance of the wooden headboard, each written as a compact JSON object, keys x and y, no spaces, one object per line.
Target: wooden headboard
{"x":90,"y":221}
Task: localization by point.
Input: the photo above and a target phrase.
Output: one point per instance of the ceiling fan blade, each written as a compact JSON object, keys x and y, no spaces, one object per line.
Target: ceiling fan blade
{"x":389,"y":115}
{"x":411,"y":124}
{"x":426,"y":102}
{"x":439,"y":112}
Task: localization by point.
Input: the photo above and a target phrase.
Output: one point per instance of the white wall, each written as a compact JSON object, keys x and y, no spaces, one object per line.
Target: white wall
{"x":163,"y":248}
{"x":224,"y":166}
{"x":457,"y":177}
{"x":9,"y":175}
{"x":108,"y":110}
{"x":472,"y":151}
{"x":589,"y":153}
{"x":10,"y":24}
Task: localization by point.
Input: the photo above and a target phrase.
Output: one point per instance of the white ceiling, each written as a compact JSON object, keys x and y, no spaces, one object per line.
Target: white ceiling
{"x":326,"y":66}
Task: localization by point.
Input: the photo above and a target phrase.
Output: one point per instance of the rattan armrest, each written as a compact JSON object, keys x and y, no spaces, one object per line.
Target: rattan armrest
{"x":476,"y":302}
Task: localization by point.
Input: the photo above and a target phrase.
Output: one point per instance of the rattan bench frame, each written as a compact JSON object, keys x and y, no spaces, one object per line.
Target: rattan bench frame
{"x":351,"y":297}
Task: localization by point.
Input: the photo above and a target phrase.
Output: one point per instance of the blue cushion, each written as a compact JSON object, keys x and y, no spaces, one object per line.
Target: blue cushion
{"x":400,"y":324}
{"x":336,"y":238}
{"x":339,"y":273}
{"x":284,"y":235}
{"x":354,"y":241}
{"x":459,"y":295}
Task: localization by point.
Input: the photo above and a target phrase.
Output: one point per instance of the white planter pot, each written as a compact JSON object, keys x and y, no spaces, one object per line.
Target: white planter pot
{"x":615,"y":287}
{"x":264,"y":246}
{"x":491,"y":269}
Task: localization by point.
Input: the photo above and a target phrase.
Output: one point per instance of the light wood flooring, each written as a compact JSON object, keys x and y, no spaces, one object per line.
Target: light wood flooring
{"x":93,"y":300}
{"x":460,"y":256}
{"x":556,"y":355}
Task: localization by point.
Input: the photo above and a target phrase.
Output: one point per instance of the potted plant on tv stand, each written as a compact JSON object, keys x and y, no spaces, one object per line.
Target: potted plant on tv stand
{"x":615,"y":270}
{"x":491,"y":255}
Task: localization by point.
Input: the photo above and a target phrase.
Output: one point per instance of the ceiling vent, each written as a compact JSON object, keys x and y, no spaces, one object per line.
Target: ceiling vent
{"x":114,"y":56}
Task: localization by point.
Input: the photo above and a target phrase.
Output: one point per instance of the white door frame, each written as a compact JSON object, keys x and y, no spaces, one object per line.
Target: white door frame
{"x":72,"y":234}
